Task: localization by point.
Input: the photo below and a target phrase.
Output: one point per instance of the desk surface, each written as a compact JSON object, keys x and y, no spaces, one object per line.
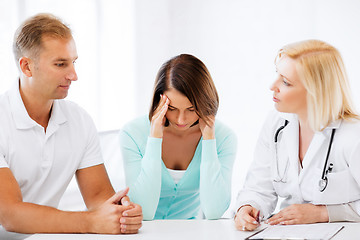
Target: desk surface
{"x":188,"y":229}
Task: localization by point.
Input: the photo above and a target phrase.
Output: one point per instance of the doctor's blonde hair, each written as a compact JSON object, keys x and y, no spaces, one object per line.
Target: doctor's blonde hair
{"x":322,"y":72}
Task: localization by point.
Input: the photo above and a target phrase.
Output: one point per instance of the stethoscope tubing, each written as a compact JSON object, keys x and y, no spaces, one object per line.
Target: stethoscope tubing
{"x":280,"y":179}
{"x":323,"y":176}
{"x":324,"y":172}
{"x":279,"y":130}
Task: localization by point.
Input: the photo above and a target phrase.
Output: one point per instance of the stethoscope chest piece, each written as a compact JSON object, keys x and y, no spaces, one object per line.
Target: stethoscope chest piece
{"x":322,"y":184}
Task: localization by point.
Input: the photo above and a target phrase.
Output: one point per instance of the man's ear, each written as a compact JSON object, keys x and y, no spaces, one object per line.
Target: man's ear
{"x":25,"y":67}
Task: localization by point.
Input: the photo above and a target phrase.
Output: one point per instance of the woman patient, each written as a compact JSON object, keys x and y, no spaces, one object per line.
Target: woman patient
{"x":179,"y":159}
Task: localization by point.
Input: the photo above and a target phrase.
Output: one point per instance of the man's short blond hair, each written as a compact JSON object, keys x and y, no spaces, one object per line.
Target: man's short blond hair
{"x":28,"y":37}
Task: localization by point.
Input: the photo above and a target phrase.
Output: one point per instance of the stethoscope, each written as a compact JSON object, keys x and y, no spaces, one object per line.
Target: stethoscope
{"x":323,"y":182}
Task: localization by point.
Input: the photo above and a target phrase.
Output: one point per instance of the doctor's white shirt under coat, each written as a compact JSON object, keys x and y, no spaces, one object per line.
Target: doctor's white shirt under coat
{"x":301,"y":185}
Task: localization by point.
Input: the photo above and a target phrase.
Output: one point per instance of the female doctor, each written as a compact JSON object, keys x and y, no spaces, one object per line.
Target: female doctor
{"x":308,"y":152}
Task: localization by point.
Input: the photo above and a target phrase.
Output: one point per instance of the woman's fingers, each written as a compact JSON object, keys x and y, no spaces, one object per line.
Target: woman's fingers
{"x":300,"y":214}
{"x":244,"y":220}
{"x":158,"y":119}
{"x":161,"y":113}
{"x":245,"y":225}
{"x":207,"y":128}
{"x":250,"y":222}
{"x":211,"y":121}
{"x":162,"y":101}
{"x":276,"y":218}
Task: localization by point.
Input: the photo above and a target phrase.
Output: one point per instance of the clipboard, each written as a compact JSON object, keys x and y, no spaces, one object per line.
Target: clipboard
{"x":250,"y":237}
{"x":296,"y":232}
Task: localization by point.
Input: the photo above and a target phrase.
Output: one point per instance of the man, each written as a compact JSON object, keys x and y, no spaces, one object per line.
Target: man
{"x":45,"y":140}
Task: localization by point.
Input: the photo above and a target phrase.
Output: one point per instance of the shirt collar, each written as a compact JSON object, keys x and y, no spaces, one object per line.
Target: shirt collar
{"x":288,"y":116}
{"x":336,"y":124}
{"x":57,"y":115}
{"x":293,"y":117}
{"x":21,"y":117}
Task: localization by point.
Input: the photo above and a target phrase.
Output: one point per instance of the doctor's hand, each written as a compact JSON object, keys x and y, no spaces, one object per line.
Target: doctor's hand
{"x":207,"y":128}
{"x":300,"y":214}
{"x":158,"y":118}
{"x":247,"y":218}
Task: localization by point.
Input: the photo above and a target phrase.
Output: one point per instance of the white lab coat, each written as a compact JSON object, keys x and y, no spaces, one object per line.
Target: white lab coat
{"x":302,"y":185}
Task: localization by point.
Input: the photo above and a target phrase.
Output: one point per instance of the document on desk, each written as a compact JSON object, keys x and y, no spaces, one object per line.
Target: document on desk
{"x":304,"y":231}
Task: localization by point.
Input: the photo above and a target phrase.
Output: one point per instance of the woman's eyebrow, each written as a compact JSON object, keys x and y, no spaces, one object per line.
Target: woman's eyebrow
{"x":176,"y":108}
{"x":285,"y":77}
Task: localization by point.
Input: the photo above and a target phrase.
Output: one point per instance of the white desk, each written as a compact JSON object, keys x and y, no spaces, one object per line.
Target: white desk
{"x":186,"y":230}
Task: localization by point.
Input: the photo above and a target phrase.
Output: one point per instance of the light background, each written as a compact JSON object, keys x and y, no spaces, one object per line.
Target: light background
{"x":122,"y":44}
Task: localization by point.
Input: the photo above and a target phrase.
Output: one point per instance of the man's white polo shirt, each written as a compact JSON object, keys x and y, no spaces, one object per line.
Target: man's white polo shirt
{"x":44,"y":163}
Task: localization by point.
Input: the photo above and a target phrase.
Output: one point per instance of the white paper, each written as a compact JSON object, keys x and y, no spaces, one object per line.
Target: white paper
{"x":303,"y":231}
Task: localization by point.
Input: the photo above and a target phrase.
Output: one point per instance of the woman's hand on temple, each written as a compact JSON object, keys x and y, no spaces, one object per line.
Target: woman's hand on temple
{"x":158,"y":118}
{"x":207,"y":128}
